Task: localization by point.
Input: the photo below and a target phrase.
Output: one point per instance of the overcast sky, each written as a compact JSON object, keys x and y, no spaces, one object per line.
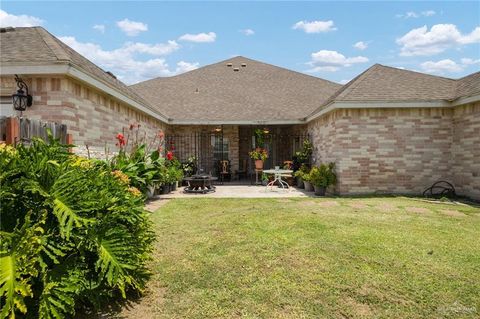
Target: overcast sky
{"x":332,"y":40}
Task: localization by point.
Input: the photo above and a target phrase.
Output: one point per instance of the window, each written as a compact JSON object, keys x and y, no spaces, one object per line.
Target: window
{"x":220,"y":152}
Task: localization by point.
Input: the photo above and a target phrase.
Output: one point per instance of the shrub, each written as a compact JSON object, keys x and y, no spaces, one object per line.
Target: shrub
{"x":323,"y":175}
{"x":72,"y":232}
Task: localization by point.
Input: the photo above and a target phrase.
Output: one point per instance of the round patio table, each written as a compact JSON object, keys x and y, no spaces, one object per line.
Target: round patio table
{"x":278,"y":177}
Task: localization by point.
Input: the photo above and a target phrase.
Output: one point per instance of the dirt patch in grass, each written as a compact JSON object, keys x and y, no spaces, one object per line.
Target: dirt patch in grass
{"x":452,"y":212}
{"x":418,"y":210}
{"x":330,"y":203}
{"x":386,"y":207}
{"x":358,"y":205}
{"x":360,"y":310}
{"x":148,"y":304}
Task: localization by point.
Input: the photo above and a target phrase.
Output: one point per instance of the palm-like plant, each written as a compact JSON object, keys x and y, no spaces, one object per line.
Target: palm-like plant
{"x":71,"y":231}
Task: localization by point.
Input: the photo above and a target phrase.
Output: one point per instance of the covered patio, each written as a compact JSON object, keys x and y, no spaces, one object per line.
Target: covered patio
{"x":223,"y":150}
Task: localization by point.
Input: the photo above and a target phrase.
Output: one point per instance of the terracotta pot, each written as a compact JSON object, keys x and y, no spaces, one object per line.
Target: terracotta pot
{"x":308,"y":186}
{"x":319,"y":190}
{"x":258,"y":164}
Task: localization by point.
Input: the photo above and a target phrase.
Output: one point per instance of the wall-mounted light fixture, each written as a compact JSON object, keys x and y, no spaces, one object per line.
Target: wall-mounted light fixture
{"x":21,"y":99}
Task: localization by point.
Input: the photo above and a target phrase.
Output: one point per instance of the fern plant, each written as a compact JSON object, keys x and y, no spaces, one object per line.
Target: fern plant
{"x":72,"y":233}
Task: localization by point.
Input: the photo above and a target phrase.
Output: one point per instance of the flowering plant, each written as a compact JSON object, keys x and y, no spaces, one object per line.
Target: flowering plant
{"x":259,"y":154}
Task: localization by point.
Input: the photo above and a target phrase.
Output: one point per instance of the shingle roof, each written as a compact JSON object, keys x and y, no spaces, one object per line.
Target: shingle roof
{"x":383,"y":83}
{"x":468,"y":86}
{"x":255,"y":92}
{"x":36,"y":46}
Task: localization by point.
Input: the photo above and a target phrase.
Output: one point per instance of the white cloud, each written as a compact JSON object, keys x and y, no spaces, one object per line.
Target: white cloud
{"x":360,"y":45}
{"x":129,"y":63}
{"x":413,"y":14}
{"x":441,"y":67}
{"x":199,"y":37}
{"x":132,"y":28}
{"x":183,"y":66}
{"x":468,"y":61}
{"x":315,"y":26}
{"x":331,"y":61}
{"x":420,"y":41}
{"x":11,"y":20}
{"x":344,"y":81}
{"x":99,"y":27}
{"x":247,"y":31}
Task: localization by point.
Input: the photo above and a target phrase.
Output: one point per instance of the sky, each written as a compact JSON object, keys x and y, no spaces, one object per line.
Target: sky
{"x":332,"y":40}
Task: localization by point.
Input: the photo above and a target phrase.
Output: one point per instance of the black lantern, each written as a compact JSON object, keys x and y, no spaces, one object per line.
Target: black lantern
{"x":21,"y":99}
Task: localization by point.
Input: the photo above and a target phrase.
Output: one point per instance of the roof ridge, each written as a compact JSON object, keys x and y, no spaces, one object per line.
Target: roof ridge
{"x":237,"y":57}
{"x":52,"y":44}
{"x":357,"y":80}
{"x":417,"y":72}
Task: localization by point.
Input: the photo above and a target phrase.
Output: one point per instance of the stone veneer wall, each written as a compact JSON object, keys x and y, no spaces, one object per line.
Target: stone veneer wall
{"x":466,"y":149}
{"x":92,"y":117}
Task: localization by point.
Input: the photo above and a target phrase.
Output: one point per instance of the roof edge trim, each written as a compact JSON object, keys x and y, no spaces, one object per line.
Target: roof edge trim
{"x":73,"y":71}
{"x":234,"y":122}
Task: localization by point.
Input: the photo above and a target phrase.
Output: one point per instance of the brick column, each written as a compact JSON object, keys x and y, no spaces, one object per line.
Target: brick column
{"x":13,"y":131}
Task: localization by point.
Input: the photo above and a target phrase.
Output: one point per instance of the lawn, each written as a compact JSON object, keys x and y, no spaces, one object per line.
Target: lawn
{"x":314,"y":258}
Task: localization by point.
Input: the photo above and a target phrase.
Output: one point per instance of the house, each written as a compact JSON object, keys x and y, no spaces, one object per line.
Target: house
{"x":388,"y":130}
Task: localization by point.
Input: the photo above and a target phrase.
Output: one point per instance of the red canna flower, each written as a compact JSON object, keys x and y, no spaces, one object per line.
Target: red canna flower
{"x":169,"y":155}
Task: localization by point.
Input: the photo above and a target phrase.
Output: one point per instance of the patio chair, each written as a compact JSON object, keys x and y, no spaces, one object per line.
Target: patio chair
{"x":224,"y":171}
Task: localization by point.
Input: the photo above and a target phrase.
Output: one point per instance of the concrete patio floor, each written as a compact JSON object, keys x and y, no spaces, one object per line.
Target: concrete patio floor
{"x":230,"y":191}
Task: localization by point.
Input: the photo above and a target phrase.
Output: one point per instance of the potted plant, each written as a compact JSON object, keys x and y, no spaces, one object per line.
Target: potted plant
{"x":299,"y":175}
{"x":259,"y":155}
{"x":306,"y":182}
{"x":265,"y":179}
{"x":322,"y":177}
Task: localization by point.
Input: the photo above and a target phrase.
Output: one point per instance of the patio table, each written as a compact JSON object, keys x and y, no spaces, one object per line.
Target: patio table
{"x":278,"y":177}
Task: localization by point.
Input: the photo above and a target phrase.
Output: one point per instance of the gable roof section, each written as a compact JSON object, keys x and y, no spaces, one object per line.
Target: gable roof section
{"x":35,"y":46}
{"x":384,"y":86}
{"x":468,"y":86}
{"x":222,"y":93}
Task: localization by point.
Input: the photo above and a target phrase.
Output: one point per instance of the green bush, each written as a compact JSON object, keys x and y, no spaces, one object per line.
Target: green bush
{"x":323,"y":175}
{"x":72,"y":232}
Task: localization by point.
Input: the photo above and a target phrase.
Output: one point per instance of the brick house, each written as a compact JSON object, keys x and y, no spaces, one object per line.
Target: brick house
{"x":388,"y":130}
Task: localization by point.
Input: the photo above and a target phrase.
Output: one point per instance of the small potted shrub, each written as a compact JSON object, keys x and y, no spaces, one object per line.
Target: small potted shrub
{"x":306,"y":182}
{"x":299,"y":175}
{"x":322,"y":177}
{"x":259,"y":155}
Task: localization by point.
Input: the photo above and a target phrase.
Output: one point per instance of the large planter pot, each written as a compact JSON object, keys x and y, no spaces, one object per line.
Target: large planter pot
{"x":258,"y":164}
{"x":150,"y":191}
{"x":320,"y":190}
{"x":299,"y":182}
{"x":173,"y":186}
{"x":165,"y":189}
{"x":308,"y":186}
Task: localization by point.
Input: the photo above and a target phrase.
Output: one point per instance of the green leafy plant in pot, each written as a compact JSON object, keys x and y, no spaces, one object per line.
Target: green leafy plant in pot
{"x":259,"y":155}
{"x":307,"y":182}
{"x":323,"y":176}
{"x":299,"y":175}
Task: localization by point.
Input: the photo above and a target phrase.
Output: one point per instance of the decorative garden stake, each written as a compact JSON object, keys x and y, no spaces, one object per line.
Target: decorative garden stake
{"x":21,"y":99}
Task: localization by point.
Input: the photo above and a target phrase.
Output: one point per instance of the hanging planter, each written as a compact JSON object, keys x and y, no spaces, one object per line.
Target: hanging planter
{"x":259,"y":155}
{"x":258,"y":164}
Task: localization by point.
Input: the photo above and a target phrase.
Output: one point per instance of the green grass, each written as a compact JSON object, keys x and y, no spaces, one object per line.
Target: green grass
{"x":317,"y":258}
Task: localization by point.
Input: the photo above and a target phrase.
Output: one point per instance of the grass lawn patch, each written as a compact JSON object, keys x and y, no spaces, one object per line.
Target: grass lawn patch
{"x":316,"y":258}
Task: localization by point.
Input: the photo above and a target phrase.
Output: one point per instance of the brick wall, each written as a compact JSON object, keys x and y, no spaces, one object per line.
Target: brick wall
{"x":466,"y":149}
{"x":400,"y":150}
{"x":92,"y":117}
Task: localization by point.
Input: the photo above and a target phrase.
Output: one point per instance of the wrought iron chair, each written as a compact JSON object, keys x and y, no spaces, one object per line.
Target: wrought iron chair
{"x":224,"y":171}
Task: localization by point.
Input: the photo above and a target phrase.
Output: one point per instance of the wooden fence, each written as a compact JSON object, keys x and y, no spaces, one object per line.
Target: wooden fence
{"x":21,"y":130}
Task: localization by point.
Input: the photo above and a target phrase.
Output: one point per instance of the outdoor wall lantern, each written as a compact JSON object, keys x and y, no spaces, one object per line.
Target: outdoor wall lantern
{"x":21,"y":99}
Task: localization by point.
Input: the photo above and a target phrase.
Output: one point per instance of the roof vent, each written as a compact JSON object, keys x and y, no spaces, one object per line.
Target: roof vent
{"x":244,"y":65}
{"x":111,"y":74}
{"x":236,"y":69}
{"x":197,"y":91}
{"x":229,"y":64}
{"x":7,"y":29}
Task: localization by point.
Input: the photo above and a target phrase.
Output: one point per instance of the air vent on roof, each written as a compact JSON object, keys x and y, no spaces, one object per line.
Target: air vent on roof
{"x":229,"y":64}
{"x":244,"y":65}
{"x":7,"y":29}
{"x":111,"y":74}
{"x":236,"y":69}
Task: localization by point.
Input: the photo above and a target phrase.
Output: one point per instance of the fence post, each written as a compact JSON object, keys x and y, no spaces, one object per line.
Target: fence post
{"x":69,"y":141}
{"x":13,"y":130}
